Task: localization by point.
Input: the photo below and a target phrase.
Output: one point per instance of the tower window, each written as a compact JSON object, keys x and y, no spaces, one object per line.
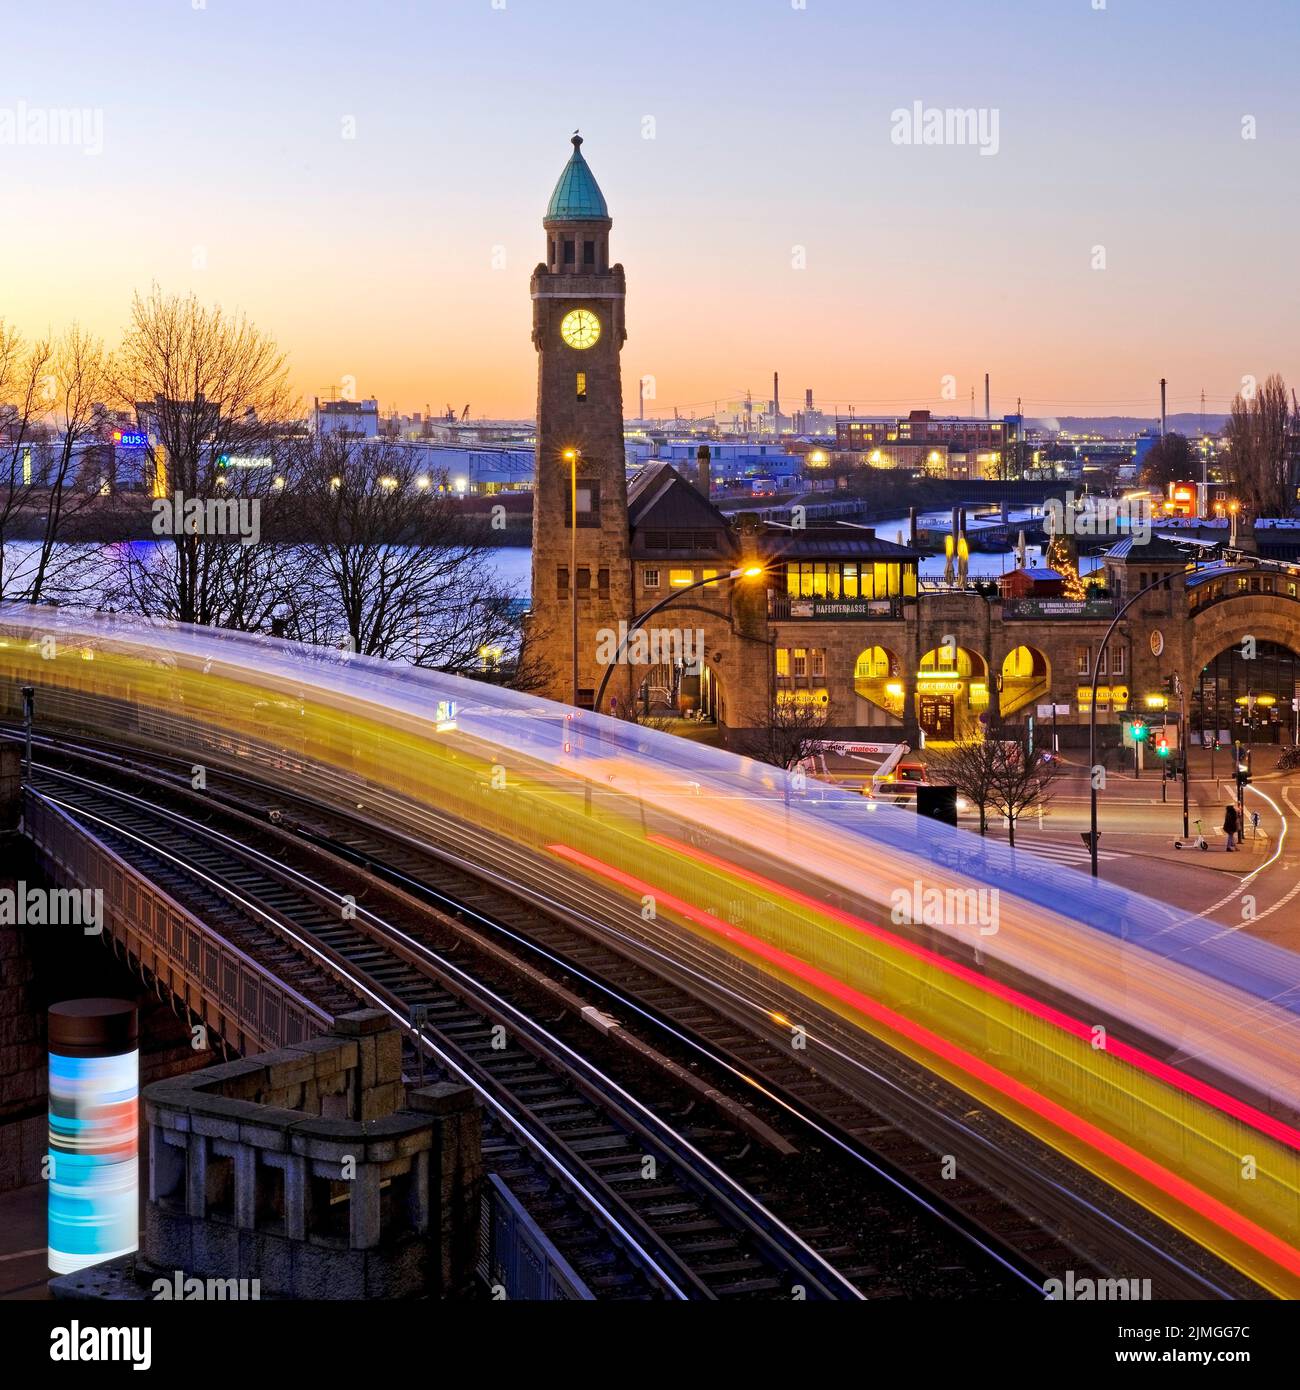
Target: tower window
{"x":562,"y":581}
{"x":602,"y":583}
{"x":582,"y":386}
{"x":568,"y":253}
{"x":588,"y":504}
{"x":589,"y":253}
{"x":584,"y":582}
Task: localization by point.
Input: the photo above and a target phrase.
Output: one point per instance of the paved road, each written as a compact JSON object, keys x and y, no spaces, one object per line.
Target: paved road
{"x":1255,"y":889}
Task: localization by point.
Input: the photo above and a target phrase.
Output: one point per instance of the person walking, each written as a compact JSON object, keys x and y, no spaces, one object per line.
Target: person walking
{"x":1230,"y":826}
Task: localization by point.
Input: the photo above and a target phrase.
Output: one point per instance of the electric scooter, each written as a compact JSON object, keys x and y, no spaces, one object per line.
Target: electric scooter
{"x":1197,"y":841}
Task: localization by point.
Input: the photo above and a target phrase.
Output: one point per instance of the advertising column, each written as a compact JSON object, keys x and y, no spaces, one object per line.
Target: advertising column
{"x":94,"y":1132}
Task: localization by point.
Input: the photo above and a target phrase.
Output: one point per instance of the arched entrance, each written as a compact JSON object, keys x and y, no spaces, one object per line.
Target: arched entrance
{"x":1247,"y":698}
{"x":878,"y":682}
{"x":952,"y":691}
{"x":1026,"y":679}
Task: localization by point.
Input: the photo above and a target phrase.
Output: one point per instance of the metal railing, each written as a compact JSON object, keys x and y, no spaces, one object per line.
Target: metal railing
{"x":243,"y":1001}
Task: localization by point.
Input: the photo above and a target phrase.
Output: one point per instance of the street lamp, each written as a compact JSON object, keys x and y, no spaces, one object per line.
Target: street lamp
{"x":572,"y":456}
{"x":749,"y":572}
{"x":1092,"y":712}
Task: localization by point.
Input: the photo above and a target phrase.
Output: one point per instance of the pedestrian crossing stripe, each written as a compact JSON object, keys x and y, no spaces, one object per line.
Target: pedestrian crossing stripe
{"x":1065,"y":854}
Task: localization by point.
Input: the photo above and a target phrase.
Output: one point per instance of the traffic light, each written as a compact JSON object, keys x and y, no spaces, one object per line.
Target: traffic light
{"x":1162,"y":746}
{"x":1139,"y":731}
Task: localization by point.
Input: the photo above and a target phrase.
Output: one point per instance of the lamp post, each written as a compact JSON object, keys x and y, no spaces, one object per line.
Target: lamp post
{"x":750,"y":572}
{"x":1092,"y":712}
{"x":572,"y":456}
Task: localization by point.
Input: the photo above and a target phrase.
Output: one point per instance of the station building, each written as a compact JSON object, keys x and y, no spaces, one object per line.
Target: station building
{"x":830,"y":623}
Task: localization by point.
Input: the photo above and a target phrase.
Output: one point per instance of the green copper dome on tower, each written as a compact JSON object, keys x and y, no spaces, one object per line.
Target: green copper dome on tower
{"x":577,"y":196}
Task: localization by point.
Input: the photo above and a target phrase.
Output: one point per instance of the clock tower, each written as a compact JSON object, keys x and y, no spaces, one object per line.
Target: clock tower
{"x":579,"y":474}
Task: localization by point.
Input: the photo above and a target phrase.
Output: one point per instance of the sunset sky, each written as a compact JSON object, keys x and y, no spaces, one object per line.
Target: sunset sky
{"x":224,"y":169}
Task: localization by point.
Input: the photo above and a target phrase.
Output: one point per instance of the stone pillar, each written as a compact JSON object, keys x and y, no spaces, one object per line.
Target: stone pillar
{"x":11,"y":765}
{"x":363,"y":1211}
{"x":455,"y":1177}
{"x":296,"y":1188}
{"x":245,"y":1165}
{"x":196,"y":1176}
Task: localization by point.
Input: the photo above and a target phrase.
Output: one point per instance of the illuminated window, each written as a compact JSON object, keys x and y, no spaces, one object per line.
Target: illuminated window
{"x":783,"y":661}
{"x":588,"y":504}
{"x":849,"y":583}
{"x":651,"y":579}
{"x":582,"y":386}
{"x":679,"y":579}
{"x":709,"y":574}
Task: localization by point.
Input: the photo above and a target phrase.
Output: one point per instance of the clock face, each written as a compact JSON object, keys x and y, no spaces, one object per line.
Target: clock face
{"x":580,"y":328}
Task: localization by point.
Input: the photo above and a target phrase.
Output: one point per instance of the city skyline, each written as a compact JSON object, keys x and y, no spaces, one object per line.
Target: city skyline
{"x":381,"y":223}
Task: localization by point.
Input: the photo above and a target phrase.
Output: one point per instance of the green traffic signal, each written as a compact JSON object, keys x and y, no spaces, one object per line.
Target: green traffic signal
{"x":1139,"y":732}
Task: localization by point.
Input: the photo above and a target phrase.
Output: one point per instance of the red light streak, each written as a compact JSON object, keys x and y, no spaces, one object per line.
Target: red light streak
{"x":1143,"y":1061}
{"x":1221,"y":1215}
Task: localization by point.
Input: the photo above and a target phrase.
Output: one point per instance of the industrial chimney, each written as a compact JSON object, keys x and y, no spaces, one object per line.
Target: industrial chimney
{"x":703,"y":472}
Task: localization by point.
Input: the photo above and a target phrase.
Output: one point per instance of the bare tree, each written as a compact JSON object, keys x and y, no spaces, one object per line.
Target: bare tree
{"x":392,"y":567}
{"x":970,"y":765}
{"x":793,"y":731}
{"x":212,"y":393}
{"x":1257,"y":449}
{"x":76,"y":384}
{"x":24,"y":398}
{"x":1171,"y":459}
{"x":1020,"y":780}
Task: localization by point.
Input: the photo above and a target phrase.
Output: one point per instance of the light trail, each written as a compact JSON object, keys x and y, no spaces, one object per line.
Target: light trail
{"x":794,"y":878}
{"x":1265,"y":1242}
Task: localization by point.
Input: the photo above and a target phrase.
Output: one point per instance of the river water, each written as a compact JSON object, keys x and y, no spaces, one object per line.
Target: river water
{"x":513,"y":564}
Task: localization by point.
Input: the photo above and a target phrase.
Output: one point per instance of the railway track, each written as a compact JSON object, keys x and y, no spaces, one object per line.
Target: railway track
{"x":1011,"y":1239}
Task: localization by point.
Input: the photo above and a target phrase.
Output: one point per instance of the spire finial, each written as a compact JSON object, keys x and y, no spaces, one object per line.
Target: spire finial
{"x":577,"y":139}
